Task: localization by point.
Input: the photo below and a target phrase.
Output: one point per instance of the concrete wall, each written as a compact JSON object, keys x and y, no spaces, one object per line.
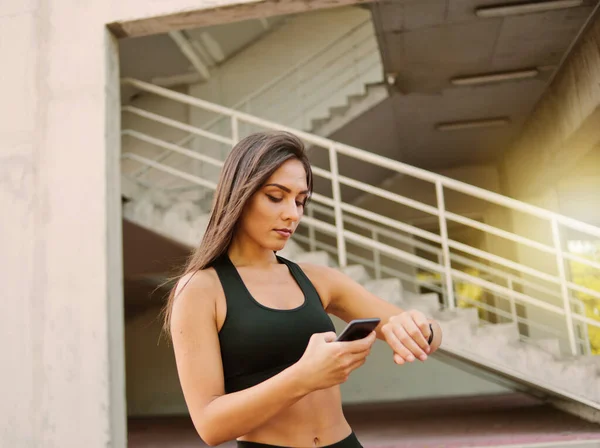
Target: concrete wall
{"x":563,"y":128}
{"x":152,"y":382}
{"x":578,"y":190}
{"x":62,"y":334}
{"x":483,"y":176}
{"x":554,"y":163}
{"x":575,"y":195}
{"x":150,"y":362}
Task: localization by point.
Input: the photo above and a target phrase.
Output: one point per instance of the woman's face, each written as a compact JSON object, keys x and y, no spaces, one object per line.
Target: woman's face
{"x":274,"y":211}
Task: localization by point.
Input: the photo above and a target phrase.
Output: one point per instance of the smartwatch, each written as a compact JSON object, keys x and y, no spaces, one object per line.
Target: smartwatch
{"x":431,"y":335}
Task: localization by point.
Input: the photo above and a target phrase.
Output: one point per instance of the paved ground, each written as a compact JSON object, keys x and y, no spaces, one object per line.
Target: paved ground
{"x":482,"y":421}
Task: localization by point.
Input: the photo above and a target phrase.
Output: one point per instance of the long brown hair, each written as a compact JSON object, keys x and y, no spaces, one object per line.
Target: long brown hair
{"x":247,"y":167}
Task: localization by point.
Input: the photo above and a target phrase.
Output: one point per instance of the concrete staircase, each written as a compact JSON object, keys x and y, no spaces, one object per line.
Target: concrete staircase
{"x":536,"y":366}
{"x":328,"y":90}
{"x":356,"y":105}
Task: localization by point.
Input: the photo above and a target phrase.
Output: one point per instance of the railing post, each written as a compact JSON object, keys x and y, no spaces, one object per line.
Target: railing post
{"x":560,"y":264}
{"x":376,"y":255}
{"x":337,"y":198}
{"x":439,"y":192}
{"x":513,"y":306}
{"x":584,"y":337}
{"x":235,"y":131}
{"x":312,"y":242}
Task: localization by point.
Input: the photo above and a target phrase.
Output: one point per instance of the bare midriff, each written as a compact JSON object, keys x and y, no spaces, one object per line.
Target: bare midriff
{"x":316,"y":420}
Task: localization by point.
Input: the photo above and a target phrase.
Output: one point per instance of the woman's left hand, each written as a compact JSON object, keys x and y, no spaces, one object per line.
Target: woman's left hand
{"x":407,"y":334}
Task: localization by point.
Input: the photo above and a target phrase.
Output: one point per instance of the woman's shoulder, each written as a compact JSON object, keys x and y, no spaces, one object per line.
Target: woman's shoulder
{"x":196,"y":292}
{"x":318,"y":271}
{"x":203,"y":280}
{"x":326,"y":277}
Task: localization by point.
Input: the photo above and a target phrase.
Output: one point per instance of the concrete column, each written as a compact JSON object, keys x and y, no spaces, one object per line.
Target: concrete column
{"x":62,"y":314}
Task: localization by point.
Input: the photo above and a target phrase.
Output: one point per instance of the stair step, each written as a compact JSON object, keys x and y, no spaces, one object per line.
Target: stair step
{"x":291,"y":251}
{"x":144,"y":212}
{"x":339,"y":110}
{"x":354,"y":98}
{"x":578,"y":378}
{"x":178,"y":218}
{"x":427,"y":303}
{"x":389,"y":289}
{"x":593,"y":360}
{"x":507,"y":332}
{"x":549,"y":345}
{"x":197,"y":229}
{"x":459,"y":325}
{"x":528,"y":358}
{"x":318,"y":122}
{"x":357,"y":272}
{"x":469,"y":316}
{"x":320,"y":258}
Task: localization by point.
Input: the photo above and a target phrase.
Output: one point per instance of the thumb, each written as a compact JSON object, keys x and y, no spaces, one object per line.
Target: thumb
{"x":330,"y":336}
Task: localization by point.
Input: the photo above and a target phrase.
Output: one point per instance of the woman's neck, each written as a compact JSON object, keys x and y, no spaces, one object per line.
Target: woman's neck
{"x":246,"y":253}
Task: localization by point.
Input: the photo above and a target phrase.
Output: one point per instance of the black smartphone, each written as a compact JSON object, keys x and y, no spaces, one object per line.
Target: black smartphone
{"x":358,"y":329}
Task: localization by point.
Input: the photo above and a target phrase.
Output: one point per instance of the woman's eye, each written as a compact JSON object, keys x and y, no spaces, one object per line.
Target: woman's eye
{"x":300,"y":204}
{"x":274,"y":199}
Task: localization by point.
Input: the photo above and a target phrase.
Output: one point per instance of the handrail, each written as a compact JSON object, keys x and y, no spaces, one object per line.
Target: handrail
{"x":436,"y":251}
{"x":444,"y":267}
{"x":374,"y":159}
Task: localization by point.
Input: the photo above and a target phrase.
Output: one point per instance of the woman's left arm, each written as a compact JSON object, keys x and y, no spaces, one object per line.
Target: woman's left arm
{"x":406,"y":331}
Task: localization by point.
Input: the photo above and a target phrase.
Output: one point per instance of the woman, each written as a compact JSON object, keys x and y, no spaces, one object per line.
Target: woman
{"x":254,"y":345}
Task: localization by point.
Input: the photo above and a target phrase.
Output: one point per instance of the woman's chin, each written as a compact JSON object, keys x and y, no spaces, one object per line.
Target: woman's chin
{"x":276,"y":245}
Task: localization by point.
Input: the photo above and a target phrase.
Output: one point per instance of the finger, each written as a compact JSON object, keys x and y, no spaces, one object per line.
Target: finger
{"x":330,"y":336}
{"x":401,"y":352}
{"x":409,"y":343}
{"x":358,"y":363}
{"x":423,"y":325}
{"x":357,"y":359}
{"x":360,"y":345}
{"x":414,"y":331}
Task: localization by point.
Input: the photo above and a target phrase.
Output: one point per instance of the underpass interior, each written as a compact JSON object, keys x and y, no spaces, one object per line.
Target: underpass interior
{"x":428,"y":48}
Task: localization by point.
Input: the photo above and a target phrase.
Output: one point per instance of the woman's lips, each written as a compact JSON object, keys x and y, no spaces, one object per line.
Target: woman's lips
{"x":284,"y":233}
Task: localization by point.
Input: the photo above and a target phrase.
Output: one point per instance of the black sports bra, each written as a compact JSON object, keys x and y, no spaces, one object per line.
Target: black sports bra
{"x":258,"y":342}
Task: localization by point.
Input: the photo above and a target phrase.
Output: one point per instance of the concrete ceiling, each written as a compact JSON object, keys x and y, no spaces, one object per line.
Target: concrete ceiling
{"x":426,"y":43}
{"x":158,"y":59}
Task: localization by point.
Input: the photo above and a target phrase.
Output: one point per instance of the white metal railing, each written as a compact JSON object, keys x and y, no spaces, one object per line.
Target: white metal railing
{"x":488,"y":272}
{"x":342,"y":210}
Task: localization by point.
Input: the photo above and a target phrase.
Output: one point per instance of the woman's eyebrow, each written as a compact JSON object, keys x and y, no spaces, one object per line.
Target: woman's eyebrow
{"x":286,"y":189}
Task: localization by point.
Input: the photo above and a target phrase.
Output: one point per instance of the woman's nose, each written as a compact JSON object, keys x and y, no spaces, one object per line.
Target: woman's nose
{"x":291,"y":212}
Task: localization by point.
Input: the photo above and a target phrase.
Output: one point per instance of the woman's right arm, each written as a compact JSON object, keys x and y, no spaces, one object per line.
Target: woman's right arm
{"x":220,"y":417}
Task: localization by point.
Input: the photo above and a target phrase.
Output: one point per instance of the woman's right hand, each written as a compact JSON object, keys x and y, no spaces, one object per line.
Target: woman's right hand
{"x":327,"y":363}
